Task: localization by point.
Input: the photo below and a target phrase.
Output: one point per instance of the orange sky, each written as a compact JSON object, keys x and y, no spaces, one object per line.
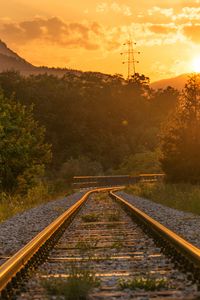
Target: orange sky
{"x":89,"y":35}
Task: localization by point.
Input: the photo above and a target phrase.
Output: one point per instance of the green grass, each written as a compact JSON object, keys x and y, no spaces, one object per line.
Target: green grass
{"x":10,"y":205}
{"x":147,"y":284}
{"x":184,"y":197}
{"x":76,"y":287}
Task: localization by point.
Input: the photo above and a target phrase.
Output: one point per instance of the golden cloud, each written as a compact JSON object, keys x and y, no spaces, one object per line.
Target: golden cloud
{"x":163,"y":29}
{"x":54,"y":30}
{"x":184,"y":13}
{"x":92,"y":36}
{"x":192,"y":32}
{"x":167,"y":12}
{"x":114,"y":7}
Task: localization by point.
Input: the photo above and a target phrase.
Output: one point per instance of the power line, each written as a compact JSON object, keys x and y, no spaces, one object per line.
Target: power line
{"x":131,"y":61}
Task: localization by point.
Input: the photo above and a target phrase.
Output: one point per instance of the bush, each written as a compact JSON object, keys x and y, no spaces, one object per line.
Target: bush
{"x":13,"y":204}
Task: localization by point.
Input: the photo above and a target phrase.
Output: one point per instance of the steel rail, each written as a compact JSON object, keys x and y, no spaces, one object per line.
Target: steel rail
{"x":182,"y":246}
{"x":19,"y":260}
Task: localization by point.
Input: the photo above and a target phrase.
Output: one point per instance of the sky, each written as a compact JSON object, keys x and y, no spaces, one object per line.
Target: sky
{"x":89,"y":35}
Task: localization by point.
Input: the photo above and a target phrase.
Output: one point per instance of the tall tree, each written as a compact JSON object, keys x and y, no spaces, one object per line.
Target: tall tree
{"x":181,"y":137}
{"x":23,"y":151}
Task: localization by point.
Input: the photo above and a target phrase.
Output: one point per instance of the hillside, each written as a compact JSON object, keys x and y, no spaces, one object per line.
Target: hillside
{"x":4,"y":50}
{"x":177,"y":82}
{"x":9,"y":60}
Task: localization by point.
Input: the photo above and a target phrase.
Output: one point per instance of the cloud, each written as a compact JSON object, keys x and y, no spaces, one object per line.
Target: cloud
{"x":114,"y":7}
{"x":56,"y":32}
{"x":168,"y":25}
{"x":167,"y":12}
{"x":150,"y":34}
{"x":53,"y":30}
{"x":163,"y":28}
{"x":192,"y":32}
{"x":91,"y":35}
{"x":186,"y":13}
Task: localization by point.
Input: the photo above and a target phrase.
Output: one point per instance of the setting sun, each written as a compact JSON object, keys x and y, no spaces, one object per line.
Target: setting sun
{"x":196,"y":64}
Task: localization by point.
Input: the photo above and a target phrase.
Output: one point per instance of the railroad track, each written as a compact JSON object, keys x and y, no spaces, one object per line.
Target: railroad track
{"x":105,"y":244}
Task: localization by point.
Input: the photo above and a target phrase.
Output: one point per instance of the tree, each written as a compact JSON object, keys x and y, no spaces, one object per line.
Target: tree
{"x":103,"y":117}
{"x":142,"y":162}
{"x":23,"y":152}
{"x":181,"y":137}
{"x":140,"y":79}
{"x":80,"y":166}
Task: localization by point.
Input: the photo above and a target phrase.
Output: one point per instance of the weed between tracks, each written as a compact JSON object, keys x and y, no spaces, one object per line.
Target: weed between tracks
{"x":90,"y":218}
{"x":147,"y":284}
{"x":86,"y":248}
{"x":114,"y":217}
{"x":76,"y":287}
{"x":117,"y":245}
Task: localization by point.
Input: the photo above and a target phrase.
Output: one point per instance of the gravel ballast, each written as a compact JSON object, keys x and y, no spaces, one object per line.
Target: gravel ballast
{"x":185,"y":224}
{"x":20,"y":229}
{"x":112,"y":250}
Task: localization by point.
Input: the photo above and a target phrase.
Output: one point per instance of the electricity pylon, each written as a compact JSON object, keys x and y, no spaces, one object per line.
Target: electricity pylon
{"x":131,"y":61}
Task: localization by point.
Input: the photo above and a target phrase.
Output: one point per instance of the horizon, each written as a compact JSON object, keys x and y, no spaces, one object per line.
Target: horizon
{"x":61,"y":35}
{"x":109,"y":74}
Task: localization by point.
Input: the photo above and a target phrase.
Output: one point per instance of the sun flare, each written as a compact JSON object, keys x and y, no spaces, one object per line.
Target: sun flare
{"x":196,"y":65}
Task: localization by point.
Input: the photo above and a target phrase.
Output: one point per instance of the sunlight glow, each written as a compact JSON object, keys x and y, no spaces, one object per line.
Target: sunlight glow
{"x":196,"y":64}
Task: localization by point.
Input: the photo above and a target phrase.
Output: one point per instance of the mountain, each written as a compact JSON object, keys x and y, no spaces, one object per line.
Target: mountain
{"x":9,"y":60}
{"x":4,"y":50}
{"x":177,"y":82}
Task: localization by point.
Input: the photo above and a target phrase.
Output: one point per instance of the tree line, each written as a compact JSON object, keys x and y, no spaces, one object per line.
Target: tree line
{"x":90,"y":123}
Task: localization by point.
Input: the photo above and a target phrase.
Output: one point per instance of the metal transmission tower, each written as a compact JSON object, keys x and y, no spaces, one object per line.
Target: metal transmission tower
{"x":131,"y":58}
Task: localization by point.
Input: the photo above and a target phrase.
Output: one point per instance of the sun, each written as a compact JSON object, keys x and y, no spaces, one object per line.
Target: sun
{"x":196,"y":65}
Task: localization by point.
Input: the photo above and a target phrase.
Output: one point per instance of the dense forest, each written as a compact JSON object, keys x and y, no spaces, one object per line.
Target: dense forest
{"x":96,"y":123}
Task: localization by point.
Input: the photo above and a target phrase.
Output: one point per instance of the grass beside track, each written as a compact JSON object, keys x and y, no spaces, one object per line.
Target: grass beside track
{"x":10,"y":205}
{"x":185,"y":197}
